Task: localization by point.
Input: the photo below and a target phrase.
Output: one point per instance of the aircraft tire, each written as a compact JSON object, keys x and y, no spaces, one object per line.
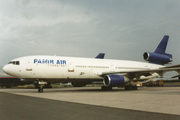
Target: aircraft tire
{"x":131,"y":87}
{"x":40,"y":90}
{"x":134,"y":87}
{"x":126,"y":87}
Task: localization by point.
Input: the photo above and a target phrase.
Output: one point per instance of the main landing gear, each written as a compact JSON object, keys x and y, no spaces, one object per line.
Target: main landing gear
{"x":130,"y":87}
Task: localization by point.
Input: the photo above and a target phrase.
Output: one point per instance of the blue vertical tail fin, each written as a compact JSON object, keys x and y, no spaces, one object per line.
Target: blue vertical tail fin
{"x":161,"y":48}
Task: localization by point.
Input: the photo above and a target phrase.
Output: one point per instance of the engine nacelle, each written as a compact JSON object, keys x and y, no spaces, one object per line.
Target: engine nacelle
{"x":115,"y":80}
{"x":157,"y":58}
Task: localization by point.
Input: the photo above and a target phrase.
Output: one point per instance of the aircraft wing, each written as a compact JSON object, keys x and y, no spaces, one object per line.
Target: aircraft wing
{"x":145,"y":72}
{"x":175,"y":76}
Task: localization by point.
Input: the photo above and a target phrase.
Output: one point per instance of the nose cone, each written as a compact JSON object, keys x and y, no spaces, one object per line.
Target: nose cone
{"x":5,"y":69}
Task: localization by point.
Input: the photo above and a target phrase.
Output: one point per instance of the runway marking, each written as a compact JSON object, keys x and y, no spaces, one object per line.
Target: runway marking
{"x":160,"y":100}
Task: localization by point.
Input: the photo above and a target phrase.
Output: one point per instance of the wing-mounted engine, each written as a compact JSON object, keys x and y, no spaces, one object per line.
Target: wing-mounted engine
{"x":157,"y":58}
{"x":115,"y":80}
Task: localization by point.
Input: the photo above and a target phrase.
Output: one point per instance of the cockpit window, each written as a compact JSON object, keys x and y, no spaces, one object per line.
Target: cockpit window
{"x":14,"y":62}
{"x":11,"y":62}
{"x":17,"y":62}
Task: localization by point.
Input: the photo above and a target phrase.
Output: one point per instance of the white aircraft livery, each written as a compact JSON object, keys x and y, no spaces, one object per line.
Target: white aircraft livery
{"x":82,"y":71}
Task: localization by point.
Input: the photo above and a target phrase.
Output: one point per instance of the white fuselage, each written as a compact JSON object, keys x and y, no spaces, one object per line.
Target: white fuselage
{"x":64,"y":69}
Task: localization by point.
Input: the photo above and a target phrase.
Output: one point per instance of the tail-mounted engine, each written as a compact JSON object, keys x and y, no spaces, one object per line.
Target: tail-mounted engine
{"x":157,"y":58}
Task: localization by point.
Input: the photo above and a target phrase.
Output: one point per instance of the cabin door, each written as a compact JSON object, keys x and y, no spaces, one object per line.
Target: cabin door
{"x":71,"y":67}
{"x":28,"y":66}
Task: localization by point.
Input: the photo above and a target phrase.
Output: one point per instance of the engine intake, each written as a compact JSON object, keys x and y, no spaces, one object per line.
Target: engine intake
{"x":157,"y":58}
{"x":115,"y":80}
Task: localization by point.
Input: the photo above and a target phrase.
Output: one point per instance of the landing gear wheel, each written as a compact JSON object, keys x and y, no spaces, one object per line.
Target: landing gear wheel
{"x":40,"y":85}
{"x":134,"y":87}
{"x":126,"y":87}
{"x":40,"y":90}
{"x":130,"y":87}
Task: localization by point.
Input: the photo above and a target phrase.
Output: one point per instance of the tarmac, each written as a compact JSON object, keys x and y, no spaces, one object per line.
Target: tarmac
{"x":92,"y":103}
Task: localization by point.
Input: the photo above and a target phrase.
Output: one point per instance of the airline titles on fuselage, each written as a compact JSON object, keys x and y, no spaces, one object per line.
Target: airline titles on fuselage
{"x":49,"y":61}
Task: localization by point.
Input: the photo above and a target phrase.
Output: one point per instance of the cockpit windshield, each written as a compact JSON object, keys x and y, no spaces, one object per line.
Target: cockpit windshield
{"x":14,"y":62}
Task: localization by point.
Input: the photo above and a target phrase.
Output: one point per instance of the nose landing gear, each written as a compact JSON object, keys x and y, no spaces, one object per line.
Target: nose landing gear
{"x":40,"y":89}
{"x":40,"y":85}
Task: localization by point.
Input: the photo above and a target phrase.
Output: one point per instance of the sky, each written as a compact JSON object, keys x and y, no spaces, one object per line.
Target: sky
{"x":122,"y":29}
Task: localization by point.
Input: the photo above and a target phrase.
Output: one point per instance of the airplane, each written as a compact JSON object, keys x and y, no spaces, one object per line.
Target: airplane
{"x":81,"y":71}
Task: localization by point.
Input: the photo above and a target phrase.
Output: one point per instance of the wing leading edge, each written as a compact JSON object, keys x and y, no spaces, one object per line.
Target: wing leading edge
{"x":145,"y":72}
